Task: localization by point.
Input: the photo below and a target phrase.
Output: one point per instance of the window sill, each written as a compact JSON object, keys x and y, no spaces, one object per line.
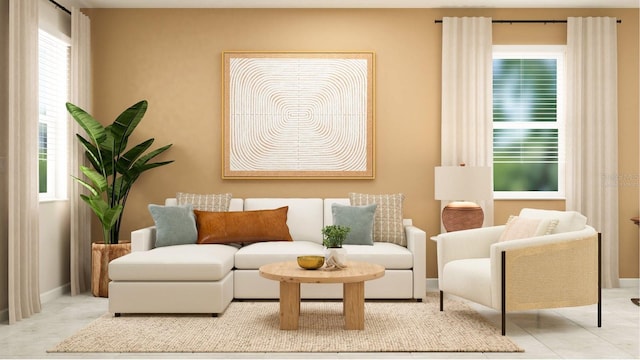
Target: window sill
{"x":51,"y":200}
{"x":528,"y":198}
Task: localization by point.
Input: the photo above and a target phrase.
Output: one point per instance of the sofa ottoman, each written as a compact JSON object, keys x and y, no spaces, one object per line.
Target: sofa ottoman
{"x":174,"y":279}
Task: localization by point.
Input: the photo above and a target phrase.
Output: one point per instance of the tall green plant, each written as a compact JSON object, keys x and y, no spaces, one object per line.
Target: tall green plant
{"x":114,"y":168}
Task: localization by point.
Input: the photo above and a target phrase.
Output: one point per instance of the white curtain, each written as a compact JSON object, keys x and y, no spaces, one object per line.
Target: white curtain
{"x":23,"y":227}
{"x":467,"y":101}
{"x":592,"y":131}
{"x":80,"y":96}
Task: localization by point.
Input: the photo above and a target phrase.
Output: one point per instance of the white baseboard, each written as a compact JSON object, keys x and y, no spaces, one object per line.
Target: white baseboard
{"x":44,"y":298}
{"x":432,"y":284}
{"x":630,"y":283}
{"x":55,"y":293}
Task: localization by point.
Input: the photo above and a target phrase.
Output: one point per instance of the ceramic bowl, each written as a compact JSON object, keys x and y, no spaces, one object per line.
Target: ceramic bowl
{"x":310,"y":262}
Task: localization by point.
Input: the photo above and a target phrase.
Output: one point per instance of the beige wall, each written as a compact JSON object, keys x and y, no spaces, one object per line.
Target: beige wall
{"x":172,"y":58}
{"x":54,"y":247}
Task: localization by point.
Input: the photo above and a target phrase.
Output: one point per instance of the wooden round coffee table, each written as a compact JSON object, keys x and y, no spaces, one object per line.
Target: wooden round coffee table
{"x":290,"y":276}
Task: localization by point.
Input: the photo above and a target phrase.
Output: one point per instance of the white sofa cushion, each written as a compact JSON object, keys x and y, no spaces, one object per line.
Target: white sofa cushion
{"x":257,"y":254}
{"x":236,"y":204}
{"x":391,"y":256}
{"x":304,"y":217}
{"x":567,"y":220}
{"x":190,"y":262}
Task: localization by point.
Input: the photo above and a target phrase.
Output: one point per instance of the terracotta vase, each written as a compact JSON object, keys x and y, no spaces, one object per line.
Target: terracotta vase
{"x":101,"y":255}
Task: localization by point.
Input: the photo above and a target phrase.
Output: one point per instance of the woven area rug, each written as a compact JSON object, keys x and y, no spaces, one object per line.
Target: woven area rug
{"x":253,"y":326}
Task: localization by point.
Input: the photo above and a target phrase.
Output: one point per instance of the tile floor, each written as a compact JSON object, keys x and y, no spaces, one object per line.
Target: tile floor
{"x":550,"y":334}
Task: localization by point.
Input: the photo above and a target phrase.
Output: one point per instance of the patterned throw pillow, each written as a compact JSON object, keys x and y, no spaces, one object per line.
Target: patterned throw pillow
{"x":519,"y":227}
{"x":387,"y":223}
{"x":205,"y":202}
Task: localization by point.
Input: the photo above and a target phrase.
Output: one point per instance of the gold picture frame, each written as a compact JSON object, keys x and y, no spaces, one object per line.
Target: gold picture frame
{"x":305,"y":115}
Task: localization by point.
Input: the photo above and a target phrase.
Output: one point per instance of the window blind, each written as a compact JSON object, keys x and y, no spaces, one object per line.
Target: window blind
{"x":526,"y":132}
{"x":53,"y":92}
{"x":524,"y":90}
{"x":525,"y":146}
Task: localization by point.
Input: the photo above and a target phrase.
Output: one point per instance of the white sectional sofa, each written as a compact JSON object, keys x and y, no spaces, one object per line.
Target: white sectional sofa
{"x":205,"y":278}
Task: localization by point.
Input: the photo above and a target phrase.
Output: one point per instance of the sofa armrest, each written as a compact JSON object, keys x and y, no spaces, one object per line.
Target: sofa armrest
{"x":557,"y":270}
{"x":466,"y":244}
{"x":417,"y":244}
{"x":498,"y":247}
{"x":143,"y":239}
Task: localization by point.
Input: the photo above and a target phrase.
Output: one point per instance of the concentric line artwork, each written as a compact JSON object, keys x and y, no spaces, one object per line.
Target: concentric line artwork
{"x":298,"y":115}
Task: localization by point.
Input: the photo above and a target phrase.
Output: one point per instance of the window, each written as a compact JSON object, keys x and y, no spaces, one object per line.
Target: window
{"x":53,"y":92}
{"x":528,"y":122}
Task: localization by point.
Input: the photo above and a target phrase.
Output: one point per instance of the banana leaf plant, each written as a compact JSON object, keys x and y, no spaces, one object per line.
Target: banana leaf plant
{"x":114,"y":167}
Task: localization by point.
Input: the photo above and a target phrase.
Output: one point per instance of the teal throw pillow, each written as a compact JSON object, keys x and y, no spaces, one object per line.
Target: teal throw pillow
{"x":359,"y":219}
{"x":175,"y":225}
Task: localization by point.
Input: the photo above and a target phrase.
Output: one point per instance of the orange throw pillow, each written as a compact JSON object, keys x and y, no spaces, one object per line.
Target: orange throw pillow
{"x":242,"y":226}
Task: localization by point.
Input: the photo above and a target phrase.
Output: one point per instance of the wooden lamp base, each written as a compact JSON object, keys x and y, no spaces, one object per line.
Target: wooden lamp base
{"x":462,"y":215}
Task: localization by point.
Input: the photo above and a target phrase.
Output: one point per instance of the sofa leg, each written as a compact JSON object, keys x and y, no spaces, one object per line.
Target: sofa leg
{"x":418,"y":300}
{"x":441,"y":301}
{"x":214,"y":315}
{"x":117,"y":315}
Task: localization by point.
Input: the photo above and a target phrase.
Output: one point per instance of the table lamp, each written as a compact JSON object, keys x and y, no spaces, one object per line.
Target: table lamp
{"x":462,"y":185}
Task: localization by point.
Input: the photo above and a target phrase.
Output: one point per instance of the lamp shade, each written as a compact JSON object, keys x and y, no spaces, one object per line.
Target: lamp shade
{"x":463,"y":183}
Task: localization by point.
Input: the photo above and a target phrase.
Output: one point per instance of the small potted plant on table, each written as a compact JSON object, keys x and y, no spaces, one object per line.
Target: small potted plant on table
{"x":335,"y":254}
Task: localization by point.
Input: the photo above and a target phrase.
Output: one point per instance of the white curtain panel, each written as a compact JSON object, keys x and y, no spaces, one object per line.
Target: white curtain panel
{"x":467,"y":83}
{"x":23,"y":227}
{"x":80,"y":96}
{"x":592,"y":131}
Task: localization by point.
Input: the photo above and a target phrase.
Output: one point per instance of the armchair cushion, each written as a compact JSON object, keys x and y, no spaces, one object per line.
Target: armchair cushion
{"x":567,"y":220}
{"x":469,"y":278}
{"x":519,"y":227}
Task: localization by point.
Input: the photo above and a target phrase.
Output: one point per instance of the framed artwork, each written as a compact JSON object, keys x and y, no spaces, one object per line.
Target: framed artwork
{"x":298,"y":115}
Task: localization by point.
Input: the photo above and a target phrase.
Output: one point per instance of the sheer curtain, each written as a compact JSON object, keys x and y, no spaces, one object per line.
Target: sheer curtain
{"x":81,"y":96}
{"x":592,"y":131}
{"x":23,"y":228}
{"x":467,"y":111}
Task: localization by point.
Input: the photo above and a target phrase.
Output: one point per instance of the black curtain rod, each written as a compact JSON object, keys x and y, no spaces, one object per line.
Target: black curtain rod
{"x":54,"y":2}
{"x":527,"y":21}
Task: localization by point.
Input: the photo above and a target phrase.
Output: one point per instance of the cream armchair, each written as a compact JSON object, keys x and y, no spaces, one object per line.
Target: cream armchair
{"x":559,"y":269}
